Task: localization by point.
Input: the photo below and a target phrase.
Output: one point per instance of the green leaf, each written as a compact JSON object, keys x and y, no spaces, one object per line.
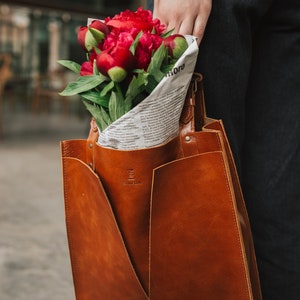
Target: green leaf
{"x":135,"y":43}
{"x":116,"y":106}
{"x":82,"y":84}
{"x":71,"y":65}
{"x":168,"y":33}
{"x":137,"y":71}
{"x":97,"y":50}
{"x":156,"y":63}
{"x":167,"y":68}
{"x":97,"y":34}
{"x":100,"y":115}
{"x":95,"y":97}
{"x":139,"y":98}
{"x":107,"y":88}
{"x":105,"y":118}
{"x":136,"y":87}
{"x":152,"y":83}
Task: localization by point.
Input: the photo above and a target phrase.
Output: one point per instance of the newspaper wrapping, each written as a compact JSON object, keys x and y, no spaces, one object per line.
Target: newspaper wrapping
{"x":155,"y":120}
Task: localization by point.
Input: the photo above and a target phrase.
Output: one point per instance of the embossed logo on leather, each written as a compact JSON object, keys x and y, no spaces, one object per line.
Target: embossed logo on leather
{"x":131,"y":179}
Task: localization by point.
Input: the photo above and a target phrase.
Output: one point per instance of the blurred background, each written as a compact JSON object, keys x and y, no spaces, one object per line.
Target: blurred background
{"x":34,"y":34}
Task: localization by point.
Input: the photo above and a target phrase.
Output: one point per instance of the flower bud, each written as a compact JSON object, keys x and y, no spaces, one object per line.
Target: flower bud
{"x":115,"y":64}
{"x":90,"y":36}
{"x":87,"y":68}
{"x":176,"y":45}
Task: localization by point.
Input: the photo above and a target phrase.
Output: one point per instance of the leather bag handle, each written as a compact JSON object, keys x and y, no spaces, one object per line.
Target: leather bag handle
{"x":193,"y":113}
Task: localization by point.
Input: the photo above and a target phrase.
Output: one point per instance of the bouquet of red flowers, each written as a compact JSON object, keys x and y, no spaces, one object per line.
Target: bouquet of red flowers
{"x":128,"y":55}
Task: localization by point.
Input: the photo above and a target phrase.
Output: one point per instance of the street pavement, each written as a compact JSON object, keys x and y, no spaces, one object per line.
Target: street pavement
{"x":34,"y":258}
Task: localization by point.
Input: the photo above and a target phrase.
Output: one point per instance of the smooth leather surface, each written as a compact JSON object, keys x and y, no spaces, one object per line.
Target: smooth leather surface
{"x":167,"y":222}
{"x":200,"y":235}
{"x":100,"y":262}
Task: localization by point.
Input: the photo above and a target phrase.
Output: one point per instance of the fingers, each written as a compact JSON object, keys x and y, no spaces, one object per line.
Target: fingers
{"x":186,"y":26}
{"x":195,"y":24}
{"x":199,"y":28}
{"x":201,"y":20}
{"x":189,"y":26}
{"x":189,"y":17}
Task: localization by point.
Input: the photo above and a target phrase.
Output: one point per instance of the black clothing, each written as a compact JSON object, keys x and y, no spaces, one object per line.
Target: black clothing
{"x":250,"y":60}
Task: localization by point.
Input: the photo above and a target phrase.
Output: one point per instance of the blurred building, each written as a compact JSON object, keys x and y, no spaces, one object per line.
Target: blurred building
{"x":34,"y":34}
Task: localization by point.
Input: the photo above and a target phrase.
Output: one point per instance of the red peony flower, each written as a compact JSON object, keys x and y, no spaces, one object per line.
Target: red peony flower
{"x":140,"y":20}
{"x":123,"y":39}
{"x":148,"y":43}
{"x":87,"y":68}
{"x":115,"y":63}
{"x":90,"y":36}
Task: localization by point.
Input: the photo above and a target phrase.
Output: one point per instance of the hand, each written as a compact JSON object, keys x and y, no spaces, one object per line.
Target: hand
{"x":184,"y":16}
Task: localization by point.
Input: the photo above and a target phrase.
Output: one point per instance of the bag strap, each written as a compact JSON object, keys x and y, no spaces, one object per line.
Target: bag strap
{"x":91,"y":141}
{"x":198,"y":96}
{"x":193,"y":116}
{"x":193,"y":113}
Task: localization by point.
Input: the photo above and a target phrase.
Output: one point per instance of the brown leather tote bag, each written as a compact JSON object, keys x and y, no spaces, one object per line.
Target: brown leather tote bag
{"x":162,"y":223}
